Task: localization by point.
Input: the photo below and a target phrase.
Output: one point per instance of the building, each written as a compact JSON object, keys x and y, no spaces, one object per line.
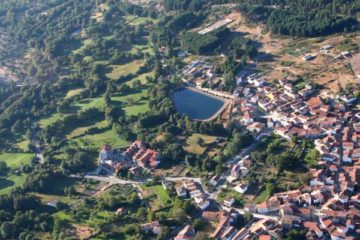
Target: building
{"x":145,"y":158}
{"x":153,"y":227}
{"x":181,"y":192}
{"x":242,"y":188}
{"x":188,"y":232}
{"x":111,"y":160}
{"x":308,"y":57}
{"x":215,"y":180}
{"x":167,"y":185}
{"x":256,"y":127}
{"x":229,"y":201}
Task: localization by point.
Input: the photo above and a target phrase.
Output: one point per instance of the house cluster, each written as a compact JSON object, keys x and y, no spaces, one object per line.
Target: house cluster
{"x":290,"y":113}
{"x":266,"y":228}
{"x":200,"y":74}
{"x":321,"y":212}
{"x":329,"y":207}
{"x":343,"y":143}
{"x":110,"y":160}
{"x":142,"y":156}
{"x":327,"y":211}
{"x":195,"y":191}
{"x":137,"y":155}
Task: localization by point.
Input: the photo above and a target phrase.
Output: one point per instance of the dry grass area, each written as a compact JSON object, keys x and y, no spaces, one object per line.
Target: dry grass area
{"x":84,"y":232}
{"x":99,"y":13}
{"x":282,"y":56}
{"x":198,"y":143}
{"x":73,"y":92}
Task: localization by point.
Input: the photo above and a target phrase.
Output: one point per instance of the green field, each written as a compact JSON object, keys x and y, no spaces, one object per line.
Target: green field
{"x":134,"y":20}
{"x":11,"y":182}
{"x":97,"y":140}
{"x":157,"y":196}
{"x":16,"y":160}
{"x":44,"y":122}
{"x":262,"y":196}
{"x":162,"y":194}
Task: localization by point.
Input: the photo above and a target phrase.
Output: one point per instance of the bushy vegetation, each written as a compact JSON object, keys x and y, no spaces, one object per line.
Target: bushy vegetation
{"x":202,"y":43}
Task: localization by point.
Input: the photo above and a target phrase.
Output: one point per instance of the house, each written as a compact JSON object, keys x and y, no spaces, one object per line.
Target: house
{"x":265,"y":237}
{"x":106,"y":155}
{"x":282,"y":131}
{"x":256,"y":127}
{"x":225,"y":222}
{"x":242,"y":188}
{"x":212,"y":216}
{"x":229,"y":201}
{"x":270,"y":123}
{"x":229,"y":233}
{"x":181,"y":192}
{"x":236,"y":171}
{"x":308,"y":57}
{"x":326,"y":47}
{"x":188,"y":232}
{"x":167,"y":185}
{"x":215,"y":180}
{"x":347,"y":156}
{"x":313,"y":227}
{"x":314,"y":102}
{"x":121,"y":211}
{"x":204,"y":204}
{"x":145,"y":158}
{"x":153,"y":227}
{"x":288,"y":221}
{"x":247,"y":118}
{"x":271,"y":205}
{"x":241,"y":234}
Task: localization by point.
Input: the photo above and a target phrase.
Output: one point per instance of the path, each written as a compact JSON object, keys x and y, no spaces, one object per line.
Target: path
{"x":249,"y":149}
{"x":36,"y":142}
{"x":114,"y":180}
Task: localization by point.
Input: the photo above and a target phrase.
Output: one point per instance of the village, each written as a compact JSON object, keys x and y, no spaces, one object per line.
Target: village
{"x":326,"y":209}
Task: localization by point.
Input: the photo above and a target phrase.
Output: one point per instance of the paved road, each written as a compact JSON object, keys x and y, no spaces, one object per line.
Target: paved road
{"x":114,"y":180}
{"x":250,"y":148}
{"x":256,"y":215}
{"x":174,"y":179}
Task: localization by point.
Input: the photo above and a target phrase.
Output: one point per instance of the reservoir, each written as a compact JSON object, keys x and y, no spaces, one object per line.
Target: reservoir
{"x":196,"y":105}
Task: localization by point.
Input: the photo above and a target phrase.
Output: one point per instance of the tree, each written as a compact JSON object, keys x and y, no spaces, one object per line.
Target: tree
{"x":295,"y":235}
{"x":3,"y":168}
{"x":201,"y":236}
{"x":7,"y":230}
{"x":17,"y":127}
{"x":199,"y":141}
{"x":219,"y":169}
{"x":198,"y":224}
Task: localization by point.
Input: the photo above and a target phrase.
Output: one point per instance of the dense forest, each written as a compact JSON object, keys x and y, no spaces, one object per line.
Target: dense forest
{"x":303,"y":18}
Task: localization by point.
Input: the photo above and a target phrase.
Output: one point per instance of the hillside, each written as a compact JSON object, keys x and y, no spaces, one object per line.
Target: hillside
{"x":94,"y":145}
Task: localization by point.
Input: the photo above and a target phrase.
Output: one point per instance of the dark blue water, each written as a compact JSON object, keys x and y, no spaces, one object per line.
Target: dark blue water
{"x":196,"y":105}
